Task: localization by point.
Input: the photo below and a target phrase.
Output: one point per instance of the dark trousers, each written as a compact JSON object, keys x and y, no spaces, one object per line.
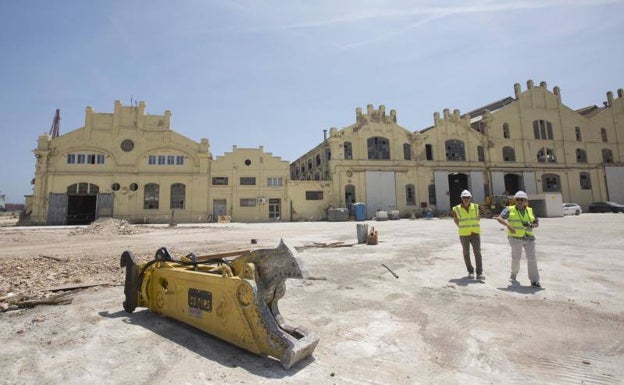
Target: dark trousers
{"x":474,"y":240}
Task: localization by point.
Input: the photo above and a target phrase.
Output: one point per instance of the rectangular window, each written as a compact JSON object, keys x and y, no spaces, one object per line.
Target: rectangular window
{"x":248,"y":202}
{"x":480,"y":154}
{"x":429,"y":152}
{"x":71,"y":158}
{"x":81,"y":158}
{"x":151,"y":159}
{"x":542,"y":129}
{"x":248,"y":181}
{"x":179,"y":160}
{"x":220,"y":181}
{"x":410,"y":196}
{"x":90,"y":158}
{"x":314,"y":195}
{"x":432,"y":194}
{"x":100,"y":159}
{"x":161,"y":159}
{"x":170,"y":159}
{"x":585,"y":181}
{"x":274,"y":182}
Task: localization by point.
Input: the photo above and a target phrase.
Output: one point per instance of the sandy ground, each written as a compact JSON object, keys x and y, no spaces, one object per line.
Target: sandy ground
{"x":429,"y":326}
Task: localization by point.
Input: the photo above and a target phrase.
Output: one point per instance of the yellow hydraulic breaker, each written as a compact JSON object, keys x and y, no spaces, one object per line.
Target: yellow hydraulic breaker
{"x":232,"y":296}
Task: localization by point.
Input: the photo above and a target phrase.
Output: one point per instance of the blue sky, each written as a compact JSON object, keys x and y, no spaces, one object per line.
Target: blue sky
{"x":277,"y":73}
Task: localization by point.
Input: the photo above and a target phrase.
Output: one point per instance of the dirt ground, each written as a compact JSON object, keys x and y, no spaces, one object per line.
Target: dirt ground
{"x":431,"y":325}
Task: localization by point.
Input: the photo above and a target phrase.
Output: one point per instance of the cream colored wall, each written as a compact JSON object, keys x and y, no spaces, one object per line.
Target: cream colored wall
{"x":262,"y":165}
{"x":152,"y":135}
{"x":103,"y":134}
{"x":535,"y":103}
{"x":308,"y":210}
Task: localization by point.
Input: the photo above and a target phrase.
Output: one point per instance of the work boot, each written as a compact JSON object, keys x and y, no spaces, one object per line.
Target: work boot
{"x":470,"y":275}
{"x":536,"y":284}
{"x":512,"y":277}
{"x":480,"y":277}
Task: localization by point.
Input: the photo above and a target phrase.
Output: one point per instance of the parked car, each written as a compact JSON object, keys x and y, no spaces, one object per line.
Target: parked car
{"x":606,"y":207}
{"x":572,"y":209}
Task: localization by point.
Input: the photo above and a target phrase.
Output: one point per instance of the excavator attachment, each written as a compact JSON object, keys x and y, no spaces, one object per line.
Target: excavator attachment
{"x":232,"y":296}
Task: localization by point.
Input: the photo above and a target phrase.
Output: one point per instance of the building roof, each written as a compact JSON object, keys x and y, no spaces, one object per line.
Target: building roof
{"x":497,"y":105}
{"x":590,"y":111}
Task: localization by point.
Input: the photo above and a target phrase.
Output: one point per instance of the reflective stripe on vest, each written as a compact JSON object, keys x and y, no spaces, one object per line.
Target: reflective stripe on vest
{"x":516,"y":219}
{"x":468,"y":220}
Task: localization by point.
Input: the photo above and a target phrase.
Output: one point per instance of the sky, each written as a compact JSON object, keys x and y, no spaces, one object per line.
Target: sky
{"x":277,"y":73}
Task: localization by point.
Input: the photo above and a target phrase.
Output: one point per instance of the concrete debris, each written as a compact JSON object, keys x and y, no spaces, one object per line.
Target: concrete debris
{"x":108,"y":226}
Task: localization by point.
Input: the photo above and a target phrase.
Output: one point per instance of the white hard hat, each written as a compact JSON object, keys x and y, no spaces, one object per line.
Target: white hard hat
{"x":521,"y":194}
{"x":466,"y":193}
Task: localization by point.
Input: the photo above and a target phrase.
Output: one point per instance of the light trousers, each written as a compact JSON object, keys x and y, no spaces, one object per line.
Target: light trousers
{"x":517,"y":244}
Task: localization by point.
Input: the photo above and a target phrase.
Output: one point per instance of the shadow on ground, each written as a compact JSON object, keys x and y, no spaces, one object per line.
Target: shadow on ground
{"x":465,"y":281}
{"x":207,"y":345}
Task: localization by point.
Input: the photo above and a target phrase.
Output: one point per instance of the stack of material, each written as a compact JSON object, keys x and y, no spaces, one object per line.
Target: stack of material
{"x":381,"y":215}
{"x":337,"y":214}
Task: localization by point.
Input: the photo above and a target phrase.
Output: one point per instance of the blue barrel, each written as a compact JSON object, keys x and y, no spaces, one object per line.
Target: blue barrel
{"x":359,"y":211}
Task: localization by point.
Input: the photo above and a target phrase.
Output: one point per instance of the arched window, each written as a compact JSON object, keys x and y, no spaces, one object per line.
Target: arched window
{"x":551,"y":183}
{"x":317,"y":176}
{"x":151,"y":195}
{"x":410,"y":195}
{"x":378,"y":148}
{"x":455,"y":150}
{"x":603,"y":133}
{"x":318,"y":159}
{"x":407,"y":151}
{"x":577,"y":131}
{"x":348,"y":150}
{"x":428,"y":152}
{"x":506,"y":134}
{"x":607,"y":156}
{"x":581,"y":156}
{"x":83,"y":188}
{"x":509,"y":154}
{"x":178,"y":195}
{"x":585,"y":181}
{"x":309,"y":164}
{"x":546,"y":155}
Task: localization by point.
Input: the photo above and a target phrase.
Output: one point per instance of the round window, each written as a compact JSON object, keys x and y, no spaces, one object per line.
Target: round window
{"x":134,"y":186}
{"x":247,"y":162}
{"x":115,"y":187}
{"x":127,"y":145}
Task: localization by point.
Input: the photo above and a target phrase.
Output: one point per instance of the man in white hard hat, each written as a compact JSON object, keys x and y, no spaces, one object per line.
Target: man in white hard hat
{"x":466,"y":217}
{"x":520,"y":222}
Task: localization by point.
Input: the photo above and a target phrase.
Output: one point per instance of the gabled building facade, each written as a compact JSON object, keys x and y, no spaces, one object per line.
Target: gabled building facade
{"x":530,"y":142}
{"x":130,"y":165}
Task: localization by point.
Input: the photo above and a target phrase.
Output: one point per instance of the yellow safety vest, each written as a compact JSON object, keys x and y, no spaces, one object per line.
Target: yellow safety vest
{"x":468,"y":221}
{"x":516,"y":219}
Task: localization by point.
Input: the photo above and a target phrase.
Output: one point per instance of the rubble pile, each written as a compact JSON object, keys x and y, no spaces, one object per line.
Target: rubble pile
{"x":108,"y":226}
{"x":33,"y":277}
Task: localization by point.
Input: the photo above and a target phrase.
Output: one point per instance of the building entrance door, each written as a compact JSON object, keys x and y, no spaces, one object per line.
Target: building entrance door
{"x":275,"y":208}
{"x":219,"y":207}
